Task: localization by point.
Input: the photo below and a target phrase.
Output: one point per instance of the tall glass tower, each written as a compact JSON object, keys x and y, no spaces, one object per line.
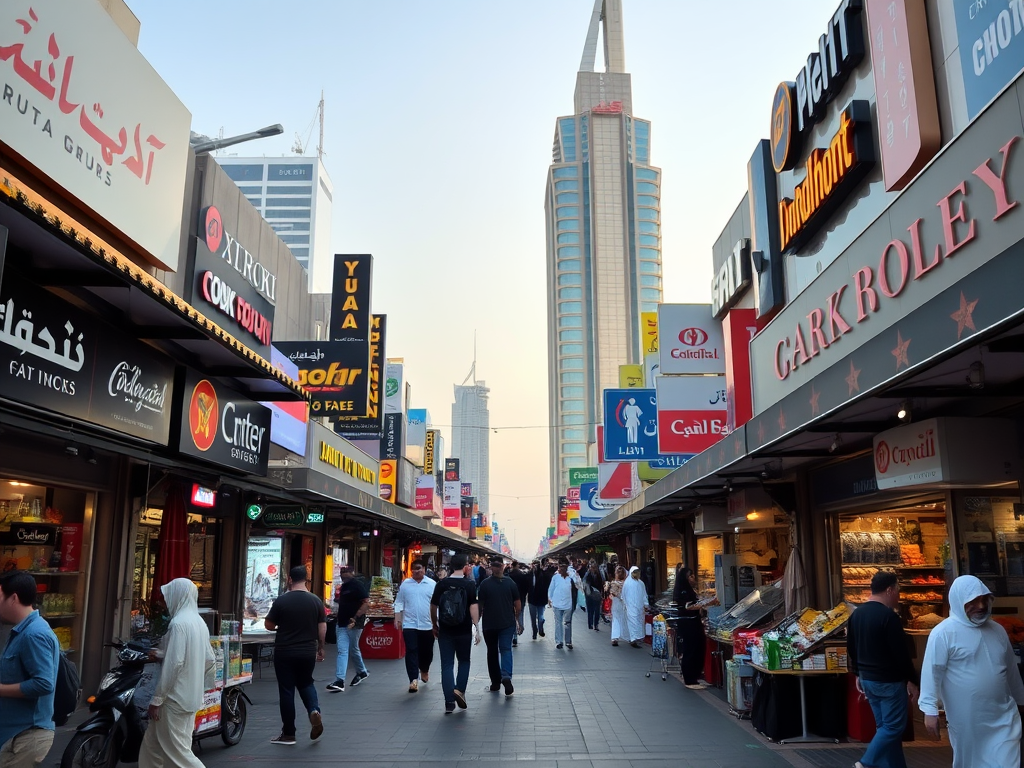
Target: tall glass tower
{"x":602,"y":208}
{"x":471,"y":439}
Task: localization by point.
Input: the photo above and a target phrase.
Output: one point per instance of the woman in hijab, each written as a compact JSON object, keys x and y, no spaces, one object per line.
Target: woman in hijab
{"x":634,"y":595}
{"x":969,"y":667}
{"x":593,"y":589}
{"x":614,"y":589}
{"x":187,"y":670}
{"x":690,"y":629}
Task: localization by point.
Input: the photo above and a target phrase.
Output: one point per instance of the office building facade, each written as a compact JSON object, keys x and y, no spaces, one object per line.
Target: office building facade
{"x":471,"y":432}
{"x":295,"y":196}
{"x":603,"y":223}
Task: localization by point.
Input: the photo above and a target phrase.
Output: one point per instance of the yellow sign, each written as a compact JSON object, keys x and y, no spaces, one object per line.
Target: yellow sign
{"x":631,"y":376}
{"x":429,"y":451}
{"x":331,"y":455}
{"x":649,"y":332}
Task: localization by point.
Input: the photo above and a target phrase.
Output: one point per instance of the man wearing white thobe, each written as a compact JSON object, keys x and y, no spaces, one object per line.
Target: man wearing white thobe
{"x":969,"y":667}
{"x":634,"y":596}
{"x":187,"y":670}
{"x":560,"y":599}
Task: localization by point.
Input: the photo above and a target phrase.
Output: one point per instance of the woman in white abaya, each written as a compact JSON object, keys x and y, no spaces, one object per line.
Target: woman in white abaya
{"x":634,"y":595}
{"x":613,"y":587}
{"x":187,"y":670}
{"x":970,"y":669}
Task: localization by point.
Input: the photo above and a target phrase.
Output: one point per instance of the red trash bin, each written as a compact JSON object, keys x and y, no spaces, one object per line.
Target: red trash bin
{"x":860,"y":720}
{"x":381,"y":640}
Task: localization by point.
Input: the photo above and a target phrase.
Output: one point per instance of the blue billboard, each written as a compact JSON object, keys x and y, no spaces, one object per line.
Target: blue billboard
{"x":630,"y":425}
{"x":990,"y":34}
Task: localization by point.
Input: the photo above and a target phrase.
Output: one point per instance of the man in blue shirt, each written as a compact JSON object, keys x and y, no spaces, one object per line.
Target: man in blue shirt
{"x":28,"y":676}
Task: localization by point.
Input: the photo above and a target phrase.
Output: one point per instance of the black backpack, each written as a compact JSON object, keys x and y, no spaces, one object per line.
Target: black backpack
{"x":451,"y":606}
{"x":66,"y":691}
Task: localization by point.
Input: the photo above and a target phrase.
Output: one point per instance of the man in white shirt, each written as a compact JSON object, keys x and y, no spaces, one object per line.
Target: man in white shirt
{"x":412,"y":617}
{"x":560,"y":600}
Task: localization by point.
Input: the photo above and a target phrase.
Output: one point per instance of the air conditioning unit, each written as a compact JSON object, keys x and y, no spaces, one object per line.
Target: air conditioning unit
{"x":711,"y":520}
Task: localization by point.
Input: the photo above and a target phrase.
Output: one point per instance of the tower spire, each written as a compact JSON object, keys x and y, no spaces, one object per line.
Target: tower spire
{"x":607,"y":14}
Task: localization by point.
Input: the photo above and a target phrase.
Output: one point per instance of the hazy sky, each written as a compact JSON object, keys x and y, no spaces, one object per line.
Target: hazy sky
{"x":439,"y":123}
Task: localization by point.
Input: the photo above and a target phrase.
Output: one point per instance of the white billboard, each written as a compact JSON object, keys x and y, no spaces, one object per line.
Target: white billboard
{"x":690,"y":340}
{"x":394,"y":387}
{"x":86,"y":109}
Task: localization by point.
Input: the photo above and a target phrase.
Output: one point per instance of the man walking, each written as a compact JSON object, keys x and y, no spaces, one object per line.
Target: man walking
{"x":561,"y":601}
{"x":455,"y":616}
{"x":969,"y":667}
{"x":879,"y":657}
{"x":537,"y":596}
{"x":353,"y":601}
{"x":522,"y":581}
{"x":412,"y":618}
{"x":500,"y":605}
{"x":28,"y":675}
{"x":299,"y":618}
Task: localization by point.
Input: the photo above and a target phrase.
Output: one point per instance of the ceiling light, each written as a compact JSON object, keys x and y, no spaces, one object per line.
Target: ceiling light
{"x":753,"y":516}
{"x":903,"y":414}
{"x":976,"y":376}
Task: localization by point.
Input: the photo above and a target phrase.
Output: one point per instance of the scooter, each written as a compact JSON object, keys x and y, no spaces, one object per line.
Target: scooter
{"x":114,"y":733}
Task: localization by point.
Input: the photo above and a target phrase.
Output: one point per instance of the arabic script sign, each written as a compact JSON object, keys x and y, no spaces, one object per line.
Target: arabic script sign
{"x":81,"y":104}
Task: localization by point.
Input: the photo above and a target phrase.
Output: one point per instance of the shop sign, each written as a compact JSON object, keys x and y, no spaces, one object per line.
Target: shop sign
{"x":203,"y":497}
{"x":991,"y":47}
{"x":452,"y":495}
{"x":451,"y":470}
{"x":798,"y":107}
{"x":732,"y":280}
{"x":283,"y":516}
{"x":393,"y":386}
{"x":465,"y":489}
{"x":690,"y":340}
{"x":617,"y":481}
{"x":388,"y":478}
{"x":333,"y":372}
{"x":290,"y":425}
{"x":369,"y":426}
{"x":630,"y":425}
{"x":424,"y":493}
{"x":829,"y":175}
{"x":350,"y":300}
{"x":223,"y":427}
{"x":845,"y":480}
{"x":392,"y":444}
{"x":580,"y":475}
{"x":908,"y":455}
{"x":406,"y":488}
{"x":32,"y":535}
{"x":429,"y":447}
{"x":451,"y":517}
{"x":692,"y":413}
{"x":631,"y":376}
{"x":56,"y":357}
{"x":338,"y":459}
{"x":230,"y":282}
{"x":124,"y":160}
{"x":315,"y":518}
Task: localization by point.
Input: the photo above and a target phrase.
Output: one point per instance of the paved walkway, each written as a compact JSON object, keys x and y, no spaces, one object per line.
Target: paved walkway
{"x":591,"y":707}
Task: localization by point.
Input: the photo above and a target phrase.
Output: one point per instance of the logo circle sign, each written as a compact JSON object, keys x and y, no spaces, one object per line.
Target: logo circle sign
{"x":693,"y":337}
{"x":213,"y":228}
{"x":203,"y":410}
{"x":882,"y":456}
{"x":385,"y":470}
{"x":782,"y":143}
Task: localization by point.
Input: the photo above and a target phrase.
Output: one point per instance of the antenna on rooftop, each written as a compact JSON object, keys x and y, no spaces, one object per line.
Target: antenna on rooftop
{"x":472,"y":370}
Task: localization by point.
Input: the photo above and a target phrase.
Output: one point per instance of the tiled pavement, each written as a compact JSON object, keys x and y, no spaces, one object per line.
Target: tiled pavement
{"x":591,"y":707}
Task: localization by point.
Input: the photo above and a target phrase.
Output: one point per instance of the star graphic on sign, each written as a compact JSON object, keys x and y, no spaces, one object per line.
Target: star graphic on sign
{"x":815,"y":408}
{"x":760,"y":432}
{"x":900,"y":353}
{"x":852,"y":379}
{"x":963,"y":316}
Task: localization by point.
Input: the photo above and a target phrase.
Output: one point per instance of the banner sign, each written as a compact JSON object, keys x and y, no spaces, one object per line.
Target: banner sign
{"x":466,"y":489}
{"x":692,"y":413}
{"x":333,"y":372}
{"x":290,"y":426}
{"x":223,"y":427}
{"x":350,"y":300}
{"x":394,"y":386}
{"x":369,"y":426}
{"x":630,"y":424}
{"x":690,"y":340}
{"x":581,"y":475}
{"x":618,"y":482}
{"x":451,"y":469}
{"x":631,"y":376}
{"x":392,"y":444}
{"x":54,"y":356}
{"x":429,"y":451}
{"x":424,"y":493}
{"x":991,"y":48}
{"x":406,"y":486}
{"x":388,"y":479}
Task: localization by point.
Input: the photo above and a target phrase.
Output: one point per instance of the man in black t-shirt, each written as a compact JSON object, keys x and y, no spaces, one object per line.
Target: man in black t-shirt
{"x":500,"y":609}
{"x":522,"y":581}
{"x":300,"y":620}
{"x":455,"y":640}
{"x":353,"y":601}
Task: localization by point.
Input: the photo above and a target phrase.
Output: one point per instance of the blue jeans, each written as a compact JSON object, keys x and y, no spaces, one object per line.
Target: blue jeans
{"x":499,"y":653}
{"x":450,"y":648}
{"x":594,"y":612}
{"x":536,"y":618}
{"x":889,"y":704}
{"x":348,"y":642}
{"x":563,"y":624}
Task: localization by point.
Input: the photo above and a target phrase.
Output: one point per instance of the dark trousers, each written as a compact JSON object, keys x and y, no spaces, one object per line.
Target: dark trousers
{"x":594,"y":611}
{"x":294,"y":672}
{"x":419,"y":651}
{"x":499,"y":653}
{"x":452,"y":648}
{"x":691,"y":659}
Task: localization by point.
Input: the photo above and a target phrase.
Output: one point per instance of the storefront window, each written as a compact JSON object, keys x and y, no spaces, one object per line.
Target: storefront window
{"x":707,"y":548}
{"x":992,"y":541}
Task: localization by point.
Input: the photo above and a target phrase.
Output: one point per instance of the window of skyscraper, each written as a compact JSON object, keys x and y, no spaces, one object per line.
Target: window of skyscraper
{"x":571,"y":250}
{"x":290,"y":172}
{"x":573,"y":391}
{"x":286,"y":213}
{"x":649,"y":214}
{"x":298,"y":189}
{"x":569,"y":461}
{"x":570,"y":321}
{"x":244,"y":172}
{"x":650,"y":200}
{"x":571,"y":377}
{"x":646,"y":186}
{"x":567,"y":185}
{"x":649,"y":253}
{"x":566,"y":172}
{"x":577,"y":449}
{"x":652,"y":281}
{"x":302,"y":254}
{"x":567,"y":198}
{"x":647,"y":173}
{"x":569,"y":237}
{"x":258,"y":191}
{"x":648,"y":226}
{"x":572,"y":434}
{"x":571,"y":349}
{"x":301,"y":238}
{"x":289,"y":201}
{"x":569,"y":279}
{"x":569,"y":265}
{"x":570,"y":418}
{"x":572,"y":406}
{"x":570,"y":293}
{"x":650,"y":267}
{"x":648,"y":306}
{"x":650,"y":294}
{"x":570,"y":335}
{"x":572,"y":364}
{"x":642,"y":134}
{"x":256,"y":201}
{"x":648,"y":240}
{"x":568,"y":224}
{"x":291,"y":226}
{"x":568,"y":210}
{"x":570,"y":307}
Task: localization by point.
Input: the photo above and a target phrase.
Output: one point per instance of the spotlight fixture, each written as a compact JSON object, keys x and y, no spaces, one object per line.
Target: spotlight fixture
{"x":90,"y":456}
{"x":836,"y":442}
{"x":71,"y":449}
{"x":976,"y":376}
{"x":903,"y":414}
{"x":764,"y":473}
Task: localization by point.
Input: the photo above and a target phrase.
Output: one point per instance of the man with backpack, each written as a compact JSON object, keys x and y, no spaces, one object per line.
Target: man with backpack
{"x":28,"y":675}
{"x":455,"y":617}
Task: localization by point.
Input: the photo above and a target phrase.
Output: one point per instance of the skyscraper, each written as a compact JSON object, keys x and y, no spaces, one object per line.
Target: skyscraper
{"x":471,"y":432}
{"x":602,"y":208}
{"x":295,"y":196}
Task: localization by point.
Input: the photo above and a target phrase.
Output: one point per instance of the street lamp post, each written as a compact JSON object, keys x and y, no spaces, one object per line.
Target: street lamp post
{"x":203,"y":147}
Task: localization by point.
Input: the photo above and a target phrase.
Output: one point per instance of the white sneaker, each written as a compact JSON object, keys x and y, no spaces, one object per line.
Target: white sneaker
{"x":697,"y":687}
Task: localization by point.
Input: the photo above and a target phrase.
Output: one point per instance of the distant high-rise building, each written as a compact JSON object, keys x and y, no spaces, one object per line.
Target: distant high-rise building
{"x":471,"y":432}
{"x":295,"y":196}
{"x":603,"y":212}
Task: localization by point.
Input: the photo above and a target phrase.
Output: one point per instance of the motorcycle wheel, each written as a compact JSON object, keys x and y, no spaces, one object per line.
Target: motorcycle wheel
{"x":91,"y":750}
{"x":232,"y":717}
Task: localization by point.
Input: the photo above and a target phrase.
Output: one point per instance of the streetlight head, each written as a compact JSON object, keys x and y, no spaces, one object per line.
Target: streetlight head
{"x":270,"y":130}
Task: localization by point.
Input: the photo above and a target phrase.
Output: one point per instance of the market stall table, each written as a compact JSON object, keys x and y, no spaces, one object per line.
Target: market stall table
{"x":806,"y":736}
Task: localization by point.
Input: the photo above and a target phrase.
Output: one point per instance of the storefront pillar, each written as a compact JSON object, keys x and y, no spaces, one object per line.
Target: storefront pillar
{"x":811,"y":537}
